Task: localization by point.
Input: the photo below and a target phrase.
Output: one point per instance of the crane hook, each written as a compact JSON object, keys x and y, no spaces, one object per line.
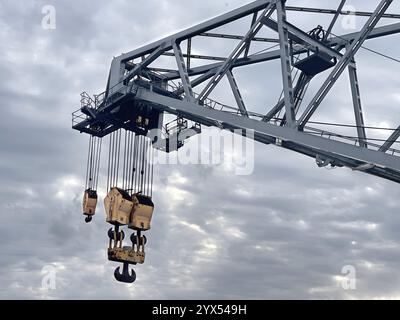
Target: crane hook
{"x":125,"y":276}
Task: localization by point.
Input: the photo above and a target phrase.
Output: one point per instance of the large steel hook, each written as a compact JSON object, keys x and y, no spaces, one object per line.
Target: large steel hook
{"x":125,"y":276}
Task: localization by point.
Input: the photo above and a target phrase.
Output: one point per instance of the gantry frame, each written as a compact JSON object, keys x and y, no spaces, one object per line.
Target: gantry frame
{"x":145,"y":84}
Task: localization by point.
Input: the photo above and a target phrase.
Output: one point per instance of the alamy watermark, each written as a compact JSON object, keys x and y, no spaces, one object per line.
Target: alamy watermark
{"x":49,"y":277}
{"x":213,"y":147}
{"x":348,"y":278}
{"x":49,"y":19}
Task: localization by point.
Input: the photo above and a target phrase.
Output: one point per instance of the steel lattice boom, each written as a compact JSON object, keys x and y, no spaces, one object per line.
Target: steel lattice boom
{"x":140,"y":90}
{"x":141,"y":84}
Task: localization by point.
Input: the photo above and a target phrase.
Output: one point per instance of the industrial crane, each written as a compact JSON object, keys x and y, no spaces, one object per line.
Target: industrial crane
{"x":140,"y":92}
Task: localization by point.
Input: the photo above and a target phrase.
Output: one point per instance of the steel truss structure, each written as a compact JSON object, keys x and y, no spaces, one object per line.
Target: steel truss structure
{"x":137,"y":85}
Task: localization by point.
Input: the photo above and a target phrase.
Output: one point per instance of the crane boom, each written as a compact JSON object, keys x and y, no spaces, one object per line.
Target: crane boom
{"x":141,"y":90}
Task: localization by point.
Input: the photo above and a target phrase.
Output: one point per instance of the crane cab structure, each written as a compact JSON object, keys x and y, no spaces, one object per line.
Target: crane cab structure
{"x":141,"y":91}
{"x":316,"y":62}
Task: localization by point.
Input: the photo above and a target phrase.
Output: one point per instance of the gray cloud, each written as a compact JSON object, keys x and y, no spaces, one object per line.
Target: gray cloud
{"x":283,"y":232}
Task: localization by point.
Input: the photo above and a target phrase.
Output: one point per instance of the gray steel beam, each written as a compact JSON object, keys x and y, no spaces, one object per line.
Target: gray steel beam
{"x":248,"y":42}
{"x":358,"y":112}
{"x":183,"y":71}
{"x":299,"y":92}
{"x":164,"y":70}
{"x":343,"y":154}
{"x":236,"y":93}
{"x":335,"y":17}
{"x":154,"y":76}
{"x":341,"y":12}
{"x":344,"y":62}
{"x":274,"y":111}
{"x":196,"y":56}
{"x":115,"y":77}
{"x":376,"y":33}
{"x":392,"y":139}
{"x":236,"y":52}
{"x":145,"y":62}
{"x":237,"y":37}
{"x":304,"y":81}
{"x":118,"y":63}
{"x":199,"y":80}
{"x":189,"y":53}
{"x":198,"y":29}
{"x":379,"y":162}
{"x":273,"y":55}
{"x":221,"y":20}
{"x":301,"y":37}
{"x":286,"y":66}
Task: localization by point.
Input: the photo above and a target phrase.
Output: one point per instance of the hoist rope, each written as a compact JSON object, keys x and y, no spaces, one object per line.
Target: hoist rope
{"x":97,"y":163}
{"x":93,"y":163}
{"x":88,"y":163}
{"x":135,"y":161}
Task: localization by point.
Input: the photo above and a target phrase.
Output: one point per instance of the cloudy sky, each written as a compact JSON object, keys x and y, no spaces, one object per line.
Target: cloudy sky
{"x":285,"y":231}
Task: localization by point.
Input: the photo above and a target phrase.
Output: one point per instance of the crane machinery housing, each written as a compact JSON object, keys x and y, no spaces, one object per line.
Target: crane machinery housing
{"x":140,"y":92}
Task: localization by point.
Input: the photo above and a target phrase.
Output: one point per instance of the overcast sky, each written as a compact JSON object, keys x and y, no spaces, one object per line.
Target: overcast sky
{"x":285,"y":231}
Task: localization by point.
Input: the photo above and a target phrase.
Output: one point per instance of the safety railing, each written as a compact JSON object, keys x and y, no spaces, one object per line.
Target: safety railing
{"x":86,"y":100}
{"x":212,"y":104}
{"x":209,"y":103}
{"x":355,"y":141}
{"x":77,"y":117}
